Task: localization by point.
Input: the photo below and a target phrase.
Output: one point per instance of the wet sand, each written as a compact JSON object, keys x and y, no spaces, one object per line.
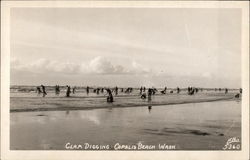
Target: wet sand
{"x":24,"y":102}
{"x":198,"y":126}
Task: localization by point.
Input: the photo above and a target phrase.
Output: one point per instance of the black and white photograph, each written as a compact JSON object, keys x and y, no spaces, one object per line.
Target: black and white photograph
{"x":107,"y":78}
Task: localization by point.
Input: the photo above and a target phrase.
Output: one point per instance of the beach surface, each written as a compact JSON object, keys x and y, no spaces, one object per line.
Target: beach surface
{"x":24,"y":102}
{"x":204,"y":121}
{"x":193,"y":126}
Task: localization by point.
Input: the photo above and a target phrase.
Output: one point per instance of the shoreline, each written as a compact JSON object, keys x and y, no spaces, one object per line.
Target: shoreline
{"x":121,"y":105}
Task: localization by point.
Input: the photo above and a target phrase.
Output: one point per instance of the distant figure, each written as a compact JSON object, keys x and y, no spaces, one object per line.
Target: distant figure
{"x":240,"y":90}
{"x":226,"y":91}
{"x":38,"y":90}
{"x":150,"y":92}
{"x":121,"y":89}
{"x":87,"y":90}
{"x":74,"y":90}
{"x":149,"y":108}
{"x":110,"y":98}
{"x":141,"y":90}
{"x":219,"y":89}
{"x":43,"y":90}
{"x":57,"y":90}
{"x":130,"y":90}
{"x":102,"y":90}
{"x":237,"y":95}
{"x":143,"y":96}
{"x":192,"y":90}
{"x":164,"y":91}
{"x":127,"y":90}
{"x":171,"y":92}
{"x":196,"y":90}
{"x":144,"y":89}
{"x":178,"y":90}
{"x":97,"y":91}
{"x":116,"y":90}
{"x":68,"y":91}
{"x":154,"y":91}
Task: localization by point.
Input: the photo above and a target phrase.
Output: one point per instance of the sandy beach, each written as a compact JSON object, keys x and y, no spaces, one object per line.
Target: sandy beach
{"x":204,"y":121}
{"x":30,"y":101}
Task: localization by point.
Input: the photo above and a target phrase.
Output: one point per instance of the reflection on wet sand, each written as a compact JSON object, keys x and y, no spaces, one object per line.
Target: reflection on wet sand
{"x":188,"y":126}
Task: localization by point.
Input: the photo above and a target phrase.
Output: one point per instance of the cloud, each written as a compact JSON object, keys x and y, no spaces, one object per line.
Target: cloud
{"x":101,"y":65}
{"x":98,"y":65}
{"x":45,"y":66}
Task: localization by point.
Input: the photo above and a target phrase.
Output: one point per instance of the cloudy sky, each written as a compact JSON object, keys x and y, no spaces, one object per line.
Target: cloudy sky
{"x":126,"y":47}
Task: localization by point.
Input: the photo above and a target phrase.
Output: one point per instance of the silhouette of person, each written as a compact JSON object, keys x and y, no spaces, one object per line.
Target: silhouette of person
{"x":68,"y":91}
{"x":43,"y":90}
{"x":38,"y":90}
{"x":110,"y":96}
{"x":87,"y":90}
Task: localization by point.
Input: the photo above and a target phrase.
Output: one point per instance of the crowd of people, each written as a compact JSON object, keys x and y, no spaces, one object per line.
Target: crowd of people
{"x":145,"y":93}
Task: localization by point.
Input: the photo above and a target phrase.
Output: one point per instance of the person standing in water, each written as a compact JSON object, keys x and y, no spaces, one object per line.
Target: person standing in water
{"x":141,"y":90}
{"x":38,"y":90}
{"x":43,"y":90}
{"x":178,"y":90}
{"x":110,"y":96}
{"x":74,"y":90}
{"x":68,"y":91}
{"x":57,"y":90}
{"x":226,"y":90}
{"x":87,"y":90}
{"x":150,"y":92}
{"x":116,"y":90}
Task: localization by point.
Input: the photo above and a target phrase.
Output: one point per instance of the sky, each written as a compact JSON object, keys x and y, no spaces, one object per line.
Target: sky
{"x":126,"y":47}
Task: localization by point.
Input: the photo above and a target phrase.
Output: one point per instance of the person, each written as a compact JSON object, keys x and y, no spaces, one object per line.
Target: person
{"x":144,"y":89}
{"x":38,"y":90}
{"x":237,"y":95}
{"x":68,"y":91}
{"x":57,"y":90}
{"x":116,"y":90}
{"x":178,"y":90}
{"x":196,"y":90}
{"x":149,"y":108}
{"x":164,"y":91}
{"x":97,"y":91}
{"x":87,"y":90}
{"x":240,"y":90}
{"x":110,"y":96}
{"x":154,"y":90}
{"x":43,"y":90}
{"x":74,"y":90}
{"x":226,"y":91}
{"x":127,"y":90}
{"x":143,"y":96}
{"x":141,"y":90}
{"x":192,"y":90}
{"x":150,"y":92}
